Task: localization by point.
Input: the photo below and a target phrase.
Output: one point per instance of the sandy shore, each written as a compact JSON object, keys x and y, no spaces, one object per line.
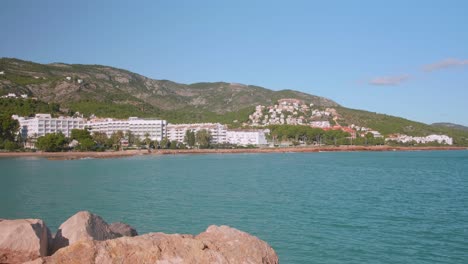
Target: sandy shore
{"x":128,"y":153}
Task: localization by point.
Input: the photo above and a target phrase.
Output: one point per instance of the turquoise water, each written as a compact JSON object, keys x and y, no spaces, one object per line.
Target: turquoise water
{"x":362,"y":207}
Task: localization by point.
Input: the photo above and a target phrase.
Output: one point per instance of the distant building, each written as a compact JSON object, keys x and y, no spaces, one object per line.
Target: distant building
{"x":441,"y":139}
{"x":177,"y":131}
{"x":247,"y":137}
{"x":43,"y":124}
{"x":154,"y":128}
{"x":320,"y":124}
{"x":376,"y":134}
{"x":292,"y":101}
{"x":13,"y":95}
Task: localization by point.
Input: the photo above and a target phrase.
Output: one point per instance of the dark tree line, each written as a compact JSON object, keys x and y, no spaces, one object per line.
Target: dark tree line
{"x":9,"y":133}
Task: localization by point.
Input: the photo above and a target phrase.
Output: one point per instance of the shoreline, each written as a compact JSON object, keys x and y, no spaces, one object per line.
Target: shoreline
{"x":129,"y":153}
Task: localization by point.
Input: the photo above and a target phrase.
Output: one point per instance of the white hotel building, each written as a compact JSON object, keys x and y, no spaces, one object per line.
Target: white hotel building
{"x":177,"y":131}
{"x":156,"y":129}
{"x":441,"y":139}
{"x":247,"y":137}
{"x":42,"y":124}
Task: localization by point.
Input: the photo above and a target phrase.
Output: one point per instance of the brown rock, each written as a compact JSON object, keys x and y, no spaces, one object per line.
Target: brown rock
{"x":36,"y":261}
{"x":123,"y":229}
{"x":237,"y":246}
{"x":23,"y":240}
{"x":162,"y":248}
{"x":82,"y":226}
{"x":148,"y":248}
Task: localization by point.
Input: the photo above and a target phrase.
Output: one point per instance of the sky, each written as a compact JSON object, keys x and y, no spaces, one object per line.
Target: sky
{"x":403,"y":58}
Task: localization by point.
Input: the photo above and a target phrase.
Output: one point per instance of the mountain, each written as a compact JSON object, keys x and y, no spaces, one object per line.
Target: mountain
{"x":387,"y":124}
{"x":450,"y":125}
{"x":108,"y":91}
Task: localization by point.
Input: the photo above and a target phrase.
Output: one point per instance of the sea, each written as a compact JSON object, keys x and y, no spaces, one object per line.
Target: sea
{"x":327,"y":207}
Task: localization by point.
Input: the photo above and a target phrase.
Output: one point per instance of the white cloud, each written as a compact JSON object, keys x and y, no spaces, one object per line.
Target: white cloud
{"x":447,"y":63}
{"x":389,"y":80}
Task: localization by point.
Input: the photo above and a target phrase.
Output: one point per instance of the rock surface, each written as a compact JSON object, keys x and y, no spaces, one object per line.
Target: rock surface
{"x":237,"y":246}
{"x":87,"y":238}
{"x":23,"y":239}
{"x":123,"y":229}
{"x":82,"y":226}
{"x":216,"y":245}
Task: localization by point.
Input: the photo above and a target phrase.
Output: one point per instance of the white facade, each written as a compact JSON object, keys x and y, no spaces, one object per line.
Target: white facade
{"x":177,"y":131}
{"x":156,"y":129}
{"x":376,"y":134}
{"x":43,"y":124}
{"x":13,"y":95}
{"x":320,"y":124}
{"x":246,"y":137}
{"x":441,"y":139}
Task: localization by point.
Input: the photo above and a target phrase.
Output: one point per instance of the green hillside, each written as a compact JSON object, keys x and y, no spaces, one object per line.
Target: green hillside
{"x":450,"y":125}
{"x":27,"y":107}
{"x":112,"y":92}
{"x":387,"y":124}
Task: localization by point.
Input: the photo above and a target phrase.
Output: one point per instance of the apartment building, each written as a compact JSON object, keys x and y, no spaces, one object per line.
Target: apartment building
{"x":177,"y":131}
{"x":42,"y":124}
{"x":247,"y":137}
{"x":154,"y":128}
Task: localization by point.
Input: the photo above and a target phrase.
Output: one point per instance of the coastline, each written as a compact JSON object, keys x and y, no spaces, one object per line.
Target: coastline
{"x":129,"y":153}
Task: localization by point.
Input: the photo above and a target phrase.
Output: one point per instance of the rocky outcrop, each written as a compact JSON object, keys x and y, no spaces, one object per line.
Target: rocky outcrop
{"x":123,"y":229}
{"x":217,"y":245}
{"x":23,"y":239}
{"x":82,"y":226}
{"x":237,"y":246}
{"x":87,"y":238}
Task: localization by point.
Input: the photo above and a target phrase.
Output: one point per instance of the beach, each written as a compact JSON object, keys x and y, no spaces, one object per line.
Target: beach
{"x":70,"y":155}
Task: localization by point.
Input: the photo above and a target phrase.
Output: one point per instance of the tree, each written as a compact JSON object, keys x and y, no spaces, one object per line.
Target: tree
{"x":147,"y":140}
{"x":130,"y":137}
{"x":153,"y":144}
{"x":10,"y":145}
{"x":8,"y":128}
{"x":299,"y":134}
{"x":203,"y":138}
{"x":80,"y":134}
{"x":369,"y":138}
{"x":190,"y":138}
{"x":138,"y":142}
{"x":86,"y":144}
{"x":51,"y":142}
{"x":100,"y":138}
{"x":20,"y":140}
{"x":165,"y":143}
{"x":174,"y":144}
{"x":332,"y":137}
{"x":84,"y":138}
{"x":116,"y":138}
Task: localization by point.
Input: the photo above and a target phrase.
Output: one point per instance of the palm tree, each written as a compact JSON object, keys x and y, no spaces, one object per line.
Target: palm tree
{"x":147,"y":140}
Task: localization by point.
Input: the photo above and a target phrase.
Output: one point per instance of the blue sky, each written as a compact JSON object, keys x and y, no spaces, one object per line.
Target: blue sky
{"x":404,"y":58}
